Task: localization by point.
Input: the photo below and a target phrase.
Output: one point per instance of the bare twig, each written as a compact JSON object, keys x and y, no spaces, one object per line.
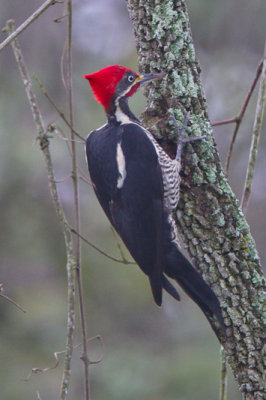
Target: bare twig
{"x":55,"y":129}
{"x":28,"y":21}
{"x":59,"y":19}
{"x":57,"y":359}
{"x":84,"y":179}
{"x":102,"y":345}
{"x":119,"y":245}
{"x":38,"y":395}
{"x":63,"y":179}
{"x":239,"y":118}
{"x":223,"y":382}
{"x":225,"y":122}
{"x":62,"y":64}
{"x":123,"y":261}
{"x":44,"y":91}
{"x":255,"y":137}
{"x":75,"y":180}
{"x":44,"y":145}
{"x":9,"y":299}
{"x":43,"y":370}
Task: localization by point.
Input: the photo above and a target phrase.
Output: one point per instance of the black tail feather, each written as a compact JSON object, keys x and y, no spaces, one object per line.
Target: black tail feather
{"x":170,"y":289}
{"x":180,"y":269}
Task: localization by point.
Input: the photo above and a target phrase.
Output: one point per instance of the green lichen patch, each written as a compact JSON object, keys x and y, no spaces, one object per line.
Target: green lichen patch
{"x":192,"y":87}
{"x":178,"y":84}
{"x":211,"y":173}
{"x":163,"y":17}
{"x":191,"y":53}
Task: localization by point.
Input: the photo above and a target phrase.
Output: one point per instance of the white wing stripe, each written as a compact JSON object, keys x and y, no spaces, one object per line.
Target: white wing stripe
{"x":121,"y":165}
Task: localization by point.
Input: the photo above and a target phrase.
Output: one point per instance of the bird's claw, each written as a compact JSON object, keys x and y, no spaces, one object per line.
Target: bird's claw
{"x":181,"y":136}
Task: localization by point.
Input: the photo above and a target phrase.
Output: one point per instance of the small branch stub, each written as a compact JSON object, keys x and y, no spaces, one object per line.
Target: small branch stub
{"x":25,"y":24}
{"x":257,"y":127}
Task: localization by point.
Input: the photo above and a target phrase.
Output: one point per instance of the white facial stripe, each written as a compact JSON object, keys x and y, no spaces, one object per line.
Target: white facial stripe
{"x":125,"y":91}
{"x":121,"y":117}
{"x":121,"y":165}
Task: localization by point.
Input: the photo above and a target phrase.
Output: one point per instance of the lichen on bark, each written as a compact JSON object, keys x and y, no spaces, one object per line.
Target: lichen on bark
{"x":210,"y":222}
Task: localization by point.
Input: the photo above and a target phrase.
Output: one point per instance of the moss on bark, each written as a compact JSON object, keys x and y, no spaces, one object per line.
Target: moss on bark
{"x":211,"y":224}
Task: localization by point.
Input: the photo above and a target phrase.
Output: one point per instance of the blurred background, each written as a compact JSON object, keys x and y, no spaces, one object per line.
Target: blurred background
{"x":150,"y":353}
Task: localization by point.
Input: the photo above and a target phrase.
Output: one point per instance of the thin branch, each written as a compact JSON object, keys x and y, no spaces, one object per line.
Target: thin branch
{"x":225,"y":122}
{"x":223,"y":377}
{"x":62,"y":65}
{"x":28,"y":21}
{"x":44,"y":91}
{"x":57,"y":359}
{"x":10,"y":300}
{"x":44,"y":145}
{"x":75,"y":180}
{"x":123,"y":261}
{"x":60,"y":19}
{"x":46,"y":369}
{"x":255,"y":137}
{"x":119,"y":245}
{"x":83,"y":178}
{"x":55,"y":129}
{"x":62,"y":180}
{"x":65,"y":139}
{"x":38,"y":395}
{"x":239,"y":118}
{"x":103,"y":349}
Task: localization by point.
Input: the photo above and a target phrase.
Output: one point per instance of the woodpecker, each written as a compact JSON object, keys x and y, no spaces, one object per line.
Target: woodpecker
{"x":138,"y":185}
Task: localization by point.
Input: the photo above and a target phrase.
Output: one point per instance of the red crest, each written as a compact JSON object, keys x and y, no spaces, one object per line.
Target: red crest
{"x":103,"y":83}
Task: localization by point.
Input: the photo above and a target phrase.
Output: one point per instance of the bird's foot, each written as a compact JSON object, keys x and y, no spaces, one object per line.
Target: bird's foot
{"x":181,"y":136}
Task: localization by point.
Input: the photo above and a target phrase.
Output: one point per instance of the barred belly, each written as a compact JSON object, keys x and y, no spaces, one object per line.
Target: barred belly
{"x":171,"y":182}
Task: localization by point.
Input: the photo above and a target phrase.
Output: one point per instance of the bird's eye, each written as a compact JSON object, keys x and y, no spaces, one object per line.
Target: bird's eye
{"x":131,"y":78}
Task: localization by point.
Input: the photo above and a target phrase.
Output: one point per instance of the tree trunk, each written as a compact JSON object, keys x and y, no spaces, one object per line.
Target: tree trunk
{"x":211,"y":224}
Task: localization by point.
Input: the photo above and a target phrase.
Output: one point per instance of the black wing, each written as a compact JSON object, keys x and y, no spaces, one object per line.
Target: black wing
{"x":101,"y":146}
{"x":135,"y":209}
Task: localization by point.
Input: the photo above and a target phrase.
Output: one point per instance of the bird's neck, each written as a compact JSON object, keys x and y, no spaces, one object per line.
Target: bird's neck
{"x":120,"y":113}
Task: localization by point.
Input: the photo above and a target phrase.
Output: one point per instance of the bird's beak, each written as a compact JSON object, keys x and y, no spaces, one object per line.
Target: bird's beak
{"x":148,"y":77}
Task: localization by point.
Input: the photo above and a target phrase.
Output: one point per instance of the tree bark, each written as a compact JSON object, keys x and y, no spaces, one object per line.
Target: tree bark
{"x":212,"y":226}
